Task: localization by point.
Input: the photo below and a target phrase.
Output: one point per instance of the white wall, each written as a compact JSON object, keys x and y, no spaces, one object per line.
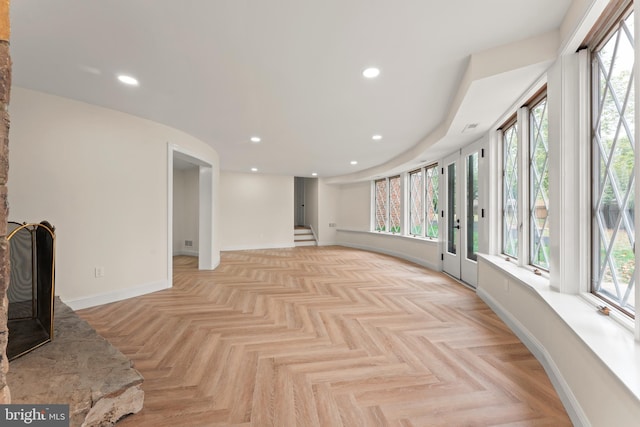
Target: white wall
{"x":354,"y":206}
{"x":256,"y":211}
{"x":328,"y":196}
{"x":311,"y":203}
{"x":185,"y":211}
{"x":420,"y":251}
{"x":100,"y":177}
{"x":592,"y":395}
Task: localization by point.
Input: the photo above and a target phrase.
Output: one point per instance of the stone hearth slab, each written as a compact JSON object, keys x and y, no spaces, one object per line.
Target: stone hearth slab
{"x":79,"y":368}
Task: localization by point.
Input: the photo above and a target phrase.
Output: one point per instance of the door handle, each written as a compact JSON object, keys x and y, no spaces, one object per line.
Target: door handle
{"x":457,"y":226}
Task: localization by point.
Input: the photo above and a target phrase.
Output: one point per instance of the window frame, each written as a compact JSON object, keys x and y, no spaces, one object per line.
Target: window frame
{"x":435,"y":176}
{"x":400,"y":206}
{"x":376,"y":200}
{"x":531,"y":105}
{"x":512,"y":122}
{"x":430,"y":175}
{"x":410,"y":200}
{"x":520,"y":120}
{"x":604,"y":31}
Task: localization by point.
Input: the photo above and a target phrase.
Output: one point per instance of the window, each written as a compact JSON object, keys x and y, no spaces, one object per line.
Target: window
{"x":414,"y":213}
{"x":510,"y":190}
{"x":416,"y":201}
{"x":381,"y":200}
{"x":472,"y":207}
{"x":395,"y":204}
{"x":431,"y":193}
{"x":539,"y":185}
{"x":388,"y":204}
{"x":613,"y":165}
{"x":452,"y":211}
{"x":526,"y":231}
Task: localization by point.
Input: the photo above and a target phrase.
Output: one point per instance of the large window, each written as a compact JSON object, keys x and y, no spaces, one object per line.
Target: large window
{"x":539,"y":185}
{"x":510,"y":190}
{"x":431,"y":194}
{"x":381,"y":200}
{"x":388,"y":204}
{"x":416,"y":202}
{"x":413,"y":215}
{"x":525,"y":223}
{"x":395,"y":204}
{"x":613,"y":164}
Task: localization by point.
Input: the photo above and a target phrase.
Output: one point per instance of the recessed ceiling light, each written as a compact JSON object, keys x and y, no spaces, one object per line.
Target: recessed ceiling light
{"x":371,"y":72}
{"x":354,"y":162}
{"x":314,"y":174}
{"x":254,"y":169}
{"x":128,"y":80}
{"x":255,"y":139}
{"x":376,"y":137}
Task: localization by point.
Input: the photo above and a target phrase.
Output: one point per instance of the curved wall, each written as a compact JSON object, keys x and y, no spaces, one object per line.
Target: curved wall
{"x":100,"y":177}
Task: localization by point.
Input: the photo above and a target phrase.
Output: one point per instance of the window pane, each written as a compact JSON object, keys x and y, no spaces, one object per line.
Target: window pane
{"x":539,"y":185}
{"x":381,"y":205}
{"x":394,"y":204}
{"x":416,"y":201}
{"x":472,"y":206}
{"x":613,"y":168}
{"x":431,"y":191}
{"x":452,"y":217}
{"x":510,"y":192}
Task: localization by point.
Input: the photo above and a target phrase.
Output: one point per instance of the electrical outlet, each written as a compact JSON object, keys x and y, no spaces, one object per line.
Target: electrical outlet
{"x":99,"y":272}
{"x":333,"y":224}
{"x":188,"y":242}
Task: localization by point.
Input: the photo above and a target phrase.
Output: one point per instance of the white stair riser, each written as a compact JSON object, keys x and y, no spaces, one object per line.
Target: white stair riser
{"x":305,"y":237}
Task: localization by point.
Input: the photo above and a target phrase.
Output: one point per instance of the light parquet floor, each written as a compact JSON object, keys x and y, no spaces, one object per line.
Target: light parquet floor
{"x":324,"y":336}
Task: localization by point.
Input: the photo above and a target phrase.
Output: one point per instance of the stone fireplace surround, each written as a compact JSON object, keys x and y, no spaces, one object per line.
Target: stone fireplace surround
{"x":78,"y":368}
{"x":102,"y":385}
{"x":5,"y":87}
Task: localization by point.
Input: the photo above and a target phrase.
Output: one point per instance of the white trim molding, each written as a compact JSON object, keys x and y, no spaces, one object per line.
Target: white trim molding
{"x":591,"y":359}
{"x":117,"y":295}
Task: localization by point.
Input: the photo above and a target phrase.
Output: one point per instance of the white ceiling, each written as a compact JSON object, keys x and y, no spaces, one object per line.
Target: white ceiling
{"x":289,"y":71}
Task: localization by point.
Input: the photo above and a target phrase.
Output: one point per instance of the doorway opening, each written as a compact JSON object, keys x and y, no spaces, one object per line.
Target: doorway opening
{"x":190,"y":209}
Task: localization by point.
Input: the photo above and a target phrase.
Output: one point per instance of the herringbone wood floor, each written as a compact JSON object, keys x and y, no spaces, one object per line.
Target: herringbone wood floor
{"x":324,"y":336}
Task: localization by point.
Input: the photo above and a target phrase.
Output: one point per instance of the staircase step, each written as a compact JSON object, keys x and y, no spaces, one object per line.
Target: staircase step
{"x":302,"y":231}
{"x":301,"y":237}
{"x":306,"y":243}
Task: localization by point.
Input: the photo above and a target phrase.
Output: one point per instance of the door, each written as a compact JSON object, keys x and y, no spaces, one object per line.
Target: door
{"x":462,"y":214}
{"x":451,"y":259}
{"x":298,"y":190}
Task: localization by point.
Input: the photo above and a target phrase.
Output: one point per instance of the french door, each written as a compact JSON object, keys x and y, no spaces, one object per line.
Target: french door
{"x":460,"y":213}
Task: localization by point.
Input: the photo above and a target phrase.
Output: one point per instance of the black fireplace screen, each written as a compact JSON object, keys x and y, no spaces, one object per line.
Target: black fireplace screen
{"x":31,"y":287}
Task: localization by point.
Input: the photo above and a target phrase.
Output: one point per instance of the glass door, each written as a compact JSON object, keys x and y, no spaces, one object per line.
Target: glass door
{"x":471,"y":222}
{"x":462,"y":214}
{"x":450,"y":216}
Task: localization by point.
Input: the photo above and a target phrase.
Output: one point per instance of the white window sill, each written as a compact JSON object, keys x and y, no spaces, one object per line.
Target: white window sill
{"x":395,"y":235}
{"x":610,"y":338}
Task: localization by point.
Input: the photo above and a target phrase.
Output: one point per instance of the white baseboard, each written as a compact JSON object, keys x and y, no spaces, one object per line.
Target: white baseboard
{"x":186,"y":252}
{"x":571,"y":404}
{"x":113,"y":296}
{"x":259,"y":246}
{"x":418,"y":261}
